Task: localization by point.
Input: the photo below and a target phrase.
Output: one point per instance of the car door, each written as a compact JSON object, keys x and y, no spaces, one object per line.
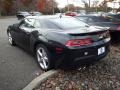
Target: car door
{"x":25,"y":30}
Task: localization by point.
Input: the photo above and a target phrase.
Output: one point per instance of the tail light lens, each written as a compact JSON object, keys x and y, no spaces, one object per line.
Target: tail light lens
{"x":79,"y":42}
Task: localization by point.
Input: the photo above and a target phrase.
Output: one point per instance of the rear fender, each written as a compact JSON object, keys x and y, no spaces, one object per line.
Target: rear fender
{"x":35,"y":41}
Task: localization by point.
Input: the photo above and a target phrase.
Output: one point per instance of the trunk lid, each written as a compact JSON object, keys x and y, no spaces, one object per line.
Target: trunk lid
{"x":86,"y":30}
{"x":94,"y":32}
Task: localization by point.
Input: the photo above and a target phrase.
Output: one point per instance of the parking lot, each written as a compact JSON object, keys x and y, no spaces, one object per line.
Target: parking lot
{"x":17,"y":67}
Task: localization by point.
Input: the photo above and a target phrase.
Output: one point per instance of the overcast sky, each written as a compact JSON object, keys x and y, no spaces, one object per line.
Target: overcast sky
{"x":62,"y":3}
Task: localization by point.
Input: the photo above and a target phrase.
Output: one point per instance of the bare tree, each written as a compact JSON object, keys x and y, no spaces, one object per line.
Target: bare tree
{"x":103,"y":5}
{"x":87,"y":5}
{"x":0,"y":7}
{"x":7,"y":6}
{"x":26,"y":2}
{"x":46,"y":6}
{"x":95,"y":3}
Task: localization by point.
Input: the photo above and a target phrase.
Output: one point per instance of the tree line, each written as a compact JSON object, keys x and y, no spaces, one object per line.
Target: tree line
{"x":11,"y":7}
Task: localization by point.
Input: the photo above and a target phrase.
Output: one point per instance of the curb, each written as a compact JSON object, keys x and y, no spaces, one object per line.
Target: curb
{"x":34,"y":83}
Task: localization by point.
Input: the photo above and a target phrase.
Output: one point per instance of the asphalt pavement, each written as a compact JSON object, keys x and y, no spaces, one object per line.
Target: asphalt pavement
{"x":17,"y":67}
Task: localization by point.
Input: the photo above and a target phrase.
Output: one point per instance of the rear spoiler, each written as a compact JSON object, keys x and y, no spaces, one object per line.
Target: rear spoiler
{"x":89,"y":33}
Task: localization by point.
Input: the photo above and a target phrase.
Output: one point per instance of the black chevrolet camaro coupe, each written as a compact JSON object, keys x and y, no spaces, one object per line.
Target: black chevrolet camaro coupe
{"x":58,"y":41}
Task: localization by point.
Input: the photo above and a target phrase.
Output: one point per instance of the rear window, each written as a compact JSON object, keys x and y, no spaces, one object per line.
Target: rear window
{"x":100,"y":19}
{"x":94,"y":19}
{"x":67,"y":23}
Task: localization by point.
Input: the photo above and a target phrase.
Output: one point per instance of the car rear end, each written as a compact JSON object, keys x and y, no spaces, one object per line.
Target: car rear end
{"x":76,"y":42}
{"x":84,"y":48}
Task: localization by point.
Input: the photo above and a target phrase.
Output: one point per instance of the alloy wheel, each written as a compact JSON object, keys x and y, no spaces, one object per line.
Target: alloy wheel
{"x":42,"y":58}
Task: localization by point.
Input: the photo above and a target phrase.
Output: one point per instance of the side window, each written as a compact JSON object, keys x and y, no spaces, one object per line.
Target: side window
{"x":27,"y":23}
{"x":31,"y":21}
{"x":84,"y":19}
{"x":37,"y":24}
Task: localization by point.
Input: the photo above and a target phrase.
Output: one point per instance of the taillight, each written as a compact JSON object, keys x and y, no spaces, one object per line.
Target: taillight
{"x":79,"y":42}
{"x":58,"y":50}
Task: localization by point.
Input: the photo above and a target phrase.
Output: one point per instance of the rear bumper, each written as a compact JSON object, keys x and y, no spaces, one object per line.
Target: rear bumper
{"x":82,"y":56}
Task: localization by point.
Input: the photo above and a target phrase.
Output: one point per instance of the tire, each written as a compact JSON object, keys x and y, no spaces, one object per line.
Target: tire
{"x":44,"y":58}
{"x":10,"y":39}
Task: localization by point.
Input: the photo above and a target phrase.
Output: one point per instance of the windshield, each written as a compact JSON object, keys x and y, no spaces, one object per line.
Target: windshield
{"x":68,"y":23}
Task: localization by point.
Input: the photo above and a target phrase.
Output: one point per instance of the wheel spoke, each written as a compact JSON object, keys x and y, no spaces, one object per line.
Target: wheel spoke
{"x":38,"y":57}
{"x":44,"y":63}
{"x":40,"y":53}
{"x":41,"y":64}
{"x":45,"y":58}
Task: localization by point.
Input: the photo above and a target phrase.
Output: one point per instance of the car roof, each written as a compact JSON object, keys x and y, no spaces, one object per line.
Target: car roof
{"x":47,"y":16}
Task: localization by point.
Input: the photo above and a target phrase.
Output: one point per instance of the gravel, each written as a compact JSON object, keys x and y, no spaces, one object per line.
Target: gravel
{"x":103,"y":75}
